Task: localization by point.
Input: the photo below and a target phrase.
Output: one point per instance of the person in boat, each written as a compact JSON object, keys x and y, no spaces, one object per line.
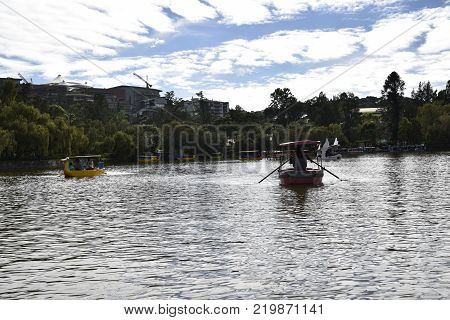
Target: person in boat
{"x":292,"y":158}
{"x":91,"y":164}
{"x":78,"y":165}
{"x":301,"y":160}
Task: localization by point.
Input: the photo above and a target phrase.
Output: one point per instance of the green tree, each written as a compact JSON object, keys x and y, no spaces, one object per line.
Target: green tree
{"x":8,"y":92}
{"x":238,"y":115}
{"x":57,"y":111}
{"x":174,"y":109}
{"x":318,"y":133}
{"x":335,"y":131}
{"x":323,"y":112}
{"x":404,"y":130}
{"x":424,"y":93}
{"x":434,"y":119}
{"x":444,"y":95}
{"x":348,"y":103}
{"x":123,"y":146}
{"x":79,"y":142}
{"x":39,"y":139}
{"x":204,"y":113}
{"x":393,"y":91}
{"x":7,"y":144}
{"x":281,"y":101}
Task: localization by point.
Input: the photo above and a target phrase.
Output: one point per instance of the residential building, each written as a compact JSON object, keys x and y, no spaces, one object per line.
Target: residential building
{"x":15,"y":80}
{"x":132,"y":100}
{"x":216,"y":108}
{"x":62,"y":94}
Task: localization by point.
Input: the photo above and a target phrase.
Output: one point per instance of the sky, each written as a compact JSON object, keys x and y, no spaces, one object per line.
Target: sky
{"x":237,"y":51}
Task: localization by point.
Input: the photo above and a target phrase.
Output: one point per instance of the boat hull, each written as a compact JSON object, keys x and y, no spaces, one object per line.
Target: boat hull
{"x":186,"y":159}
{"x":83,"y":173}
{"x":291,"y":177}
{"x":70,"y":172}
{"x":148,"y":160}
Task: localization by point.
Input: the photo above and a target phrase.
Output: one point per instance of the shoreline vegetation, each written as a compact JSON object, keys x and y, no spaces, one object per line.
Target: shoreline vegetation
{"x":31,"y":129}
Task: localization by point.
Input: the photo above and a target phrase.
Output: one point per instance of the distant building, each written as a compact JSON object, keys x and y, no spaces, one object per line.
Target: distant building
{"x":133,"y":101}
{"x":15,"y":80}
{"x":370,"y":110}
{"x":62,"y":94}
{"x":216,"y":108}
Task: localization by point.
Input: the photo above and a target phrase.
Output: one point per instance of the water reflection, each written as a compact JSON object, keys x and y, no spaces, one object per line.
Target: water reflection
{"x":211,"y":231}
{"x":394,"y":170}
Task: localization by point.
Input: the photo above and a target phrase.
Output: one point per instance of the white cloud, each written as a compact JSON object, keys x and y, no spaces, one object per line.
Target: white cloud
{"x":365,"y":79}
{"x":437,"y":39}
{"x":98,"y":28}
{"x":260,"y":11}
{"x":420,"y":54}
{"x":290,"y":7}
{"x":101,"y":30}
{"x":192,"y":10}
{"x":77,"y":24}
{"x":401,"y":30}
{"x":236,"y":56}
{"x":242,"y":12}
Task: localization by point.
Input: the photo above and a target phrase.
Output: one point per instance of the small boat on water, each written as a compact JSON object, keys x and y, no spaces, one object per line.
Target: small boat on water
{"x":250,"y":155}
{"x":83,"y":166}
{"x":163,"y":156}
{"x":147,"y":159}
{"x":329,"y":153}
{"x":215,"y":156}
{"x":300,"y":174}
{"x":185,"y":158}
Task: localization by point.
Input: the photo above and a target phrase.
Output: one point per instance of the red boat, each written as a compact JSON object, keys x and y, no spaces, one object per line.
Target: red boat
{"x":300,"y":175}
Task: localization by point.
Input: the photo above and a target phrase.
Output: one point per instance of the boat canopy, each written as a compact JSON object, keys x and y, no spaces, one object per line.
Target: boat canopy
{"x":300,"y":143}
{"x":84,"y":157}
{"x":96,"y":156}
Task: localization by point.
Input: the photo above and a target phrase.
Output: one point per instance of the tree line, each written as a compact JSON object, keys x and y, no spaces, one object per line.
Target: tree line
{"x":30,"y":128}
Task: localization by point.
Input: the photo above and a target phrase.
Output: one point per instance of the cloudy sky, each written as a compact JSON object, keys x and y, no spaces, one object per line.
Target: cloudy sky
{"x":234,"y":50}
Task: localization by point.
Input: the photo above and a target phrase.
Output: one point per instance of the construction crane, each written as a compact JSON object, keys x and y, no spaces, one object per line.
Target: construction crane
{"x":23,"y":78}
{"x":146,"y":82}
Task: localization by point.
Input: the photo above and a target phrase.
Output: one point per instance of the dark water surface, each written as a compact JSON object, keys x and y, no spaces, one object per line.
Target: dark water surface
{"x":208,"y":230}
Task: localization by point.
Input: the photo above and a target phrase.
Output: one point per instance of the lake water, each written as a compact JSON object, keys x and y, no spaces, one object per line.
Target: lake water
{"x":210,"y":231}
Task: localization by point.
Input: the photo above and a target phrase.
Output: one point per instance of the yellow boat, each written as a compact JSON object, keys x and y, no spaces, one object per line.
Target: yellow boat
{"x":186,"y":158}
{"x":83,"y":166}
{"x":216,"y":156}
{"x":148,"y":159}
{"x":250,"y":155}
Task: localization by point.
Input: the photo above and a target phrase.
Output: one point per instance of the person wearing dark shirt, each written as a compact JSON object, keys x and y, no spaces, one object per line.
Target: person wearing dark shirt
{"x":301,"y":162}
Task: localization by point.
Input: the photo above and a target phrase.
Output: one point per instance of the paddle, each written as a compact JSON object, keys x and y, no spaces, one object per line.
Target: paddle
{"x":326,"y":169}
{"x":273,"y":171}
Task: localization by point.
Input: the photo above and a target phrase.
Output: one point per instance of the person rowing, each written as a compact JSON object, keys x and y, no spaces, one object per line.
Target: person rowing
{"x":299,"y":160}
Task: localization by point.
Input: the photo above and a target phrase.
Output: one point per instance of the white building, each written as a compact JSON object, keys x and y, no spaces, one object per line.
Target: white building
{"x":216,"y":108}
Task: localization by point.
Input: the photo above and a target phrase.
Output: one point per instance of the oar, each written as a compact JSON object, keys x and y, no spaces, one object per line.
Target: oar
{"x":326,"y":169}
{"x":273,"y":171}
